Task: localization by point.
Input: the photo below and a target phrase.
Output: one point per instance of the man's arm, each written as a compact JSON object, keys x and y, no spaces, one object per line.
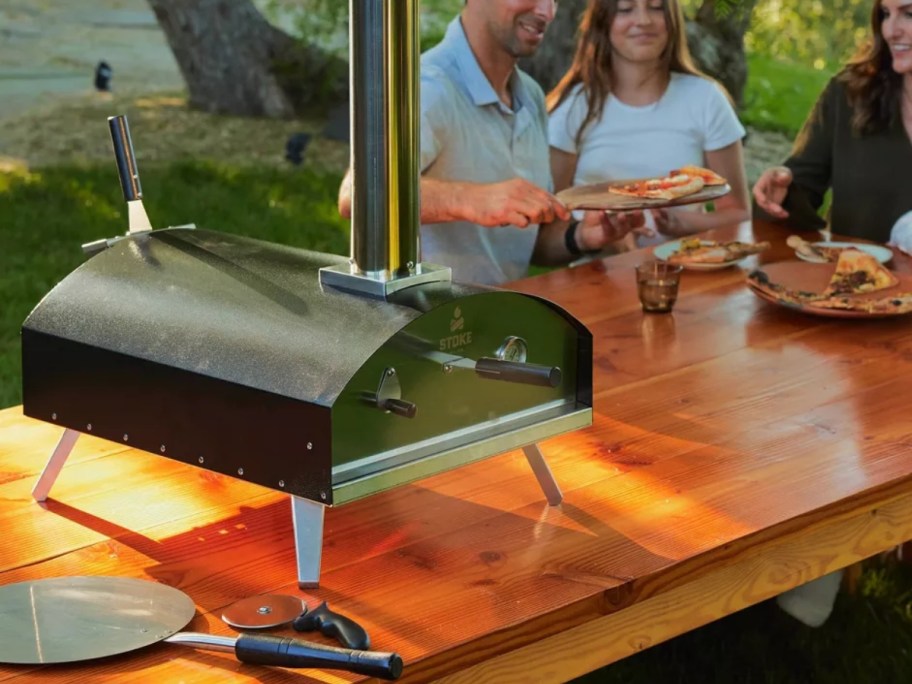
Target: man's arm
{"x":512,"y":202}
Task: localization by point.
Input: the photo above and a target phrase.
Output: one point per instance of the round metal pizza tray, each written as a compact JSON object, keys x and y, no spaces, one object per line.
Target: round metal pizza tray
{"x":811,"y":277}
{"x":598,"y":196}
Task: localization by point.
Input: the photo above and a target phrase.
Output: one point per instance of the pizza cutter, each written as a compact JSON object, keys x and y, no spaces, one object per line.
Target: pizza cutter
{"x":273,"y":610}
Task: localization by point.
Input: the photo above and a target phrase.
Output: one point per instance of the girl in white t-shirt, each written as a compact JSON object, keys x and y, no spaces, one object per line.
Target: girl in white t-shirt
{"x":633,"y":105}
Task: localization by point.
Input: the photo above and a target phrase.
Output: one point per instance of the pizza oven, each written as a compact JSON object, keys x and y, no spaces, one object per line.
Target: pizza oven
{"x":324,"y":377}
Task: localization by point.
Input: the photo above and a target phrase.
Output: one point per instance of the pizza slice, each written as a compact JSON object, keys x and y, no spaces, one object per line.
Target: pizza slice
{"x":813,"y":252}
{"x":894,"y":304}
{"x":696,"y":251}
{"x":858,"y":272}
{"x":761,"y":281}
{"x":667,"y":188}
{"x":708,"y":176}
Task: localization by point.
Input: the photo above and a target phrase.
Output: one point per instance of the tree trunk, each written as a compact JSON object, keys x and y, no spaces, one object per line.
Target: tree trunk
{"x":236,"y":62}
{"x":716,"y":40}
{"x":554,"y":56}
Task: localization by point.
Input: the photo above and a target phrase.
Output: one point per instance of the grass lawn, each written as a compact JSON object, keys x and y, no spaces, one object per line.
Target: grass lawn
{"x":779,"y":95}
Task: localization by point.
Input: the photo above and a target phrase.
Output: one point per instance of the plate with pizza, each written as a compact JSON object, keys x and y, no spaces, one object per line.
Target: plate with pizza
{"x":856,"y":286}
{"x":707,"y":255}
{"x":686,"y":185}
{"x":829,"y":251}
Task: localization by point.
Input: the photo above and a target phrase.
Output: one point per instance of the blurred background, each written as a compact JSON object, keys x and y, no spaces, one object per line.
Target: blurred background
{"x":239,"y":122}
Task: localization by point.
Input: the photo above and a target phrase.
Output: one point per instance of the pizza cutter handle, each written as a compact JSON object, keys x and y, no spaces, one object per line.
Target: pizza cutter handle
{"x":348,"y":632}
{"x":284,"y":652}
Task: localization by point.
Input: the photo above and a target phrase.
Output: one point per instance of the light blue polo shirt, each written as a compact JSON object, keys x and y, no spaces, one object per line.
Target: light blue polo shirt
{"x":468,"y":134}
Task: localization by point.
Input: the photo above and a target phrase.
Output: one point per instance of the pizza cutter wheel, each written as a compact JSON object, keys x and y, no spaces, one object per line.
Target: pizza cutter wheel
{"x":262,"y":612}
{"x":273,"y":610}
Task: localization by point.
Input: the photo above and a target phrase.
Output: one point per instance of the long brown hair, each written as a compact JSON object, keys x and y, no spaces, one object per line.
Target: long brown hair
{"x":592,"y":62}
{"x":871,"y":84}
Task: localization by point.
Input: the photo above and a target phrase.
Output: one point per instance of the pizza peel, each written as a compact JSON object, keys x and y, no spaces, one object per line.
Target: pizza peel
{"x":598,"y":196}
{"x":70,"y":619}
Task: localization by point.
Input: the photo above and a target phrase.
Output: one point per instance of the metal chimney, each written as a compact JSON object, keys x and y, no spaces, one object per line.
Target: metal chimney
{"x":384,"y":54}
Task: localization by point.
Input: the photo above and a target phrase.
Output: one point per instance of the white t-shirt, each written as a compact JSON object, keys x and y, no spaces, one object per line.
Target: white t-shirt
{"x":692,"y":117}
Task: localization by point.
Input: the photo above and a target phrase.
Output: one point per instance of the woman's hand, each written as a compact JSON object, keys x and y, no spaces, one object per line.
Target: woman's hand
{"x":771,"y":189}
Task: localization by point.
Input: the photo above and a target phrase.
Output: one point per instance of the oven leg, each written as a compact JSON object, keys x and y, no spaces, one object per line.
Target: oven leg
{"x":307,"y":517}
{"x":54,"y":465}
{"x":543,"y":474}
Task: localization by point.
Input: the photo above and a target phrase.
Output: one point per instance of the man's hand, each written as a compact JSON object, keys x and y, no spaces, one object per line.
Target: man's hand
{"x":771,"y":189}
{"x":514,"y":202}
{"x":599,"y":228}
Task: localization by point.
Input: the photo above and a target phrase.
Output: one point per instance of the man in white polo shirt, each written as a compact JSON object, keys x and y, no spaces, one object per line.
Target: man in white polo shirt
{"x":486,"y":206}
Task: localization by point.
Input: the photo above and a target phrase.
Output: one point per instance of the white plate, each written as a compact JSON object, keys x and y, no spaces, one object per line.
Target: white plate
{"x":665,"y":250}
{"x":882,"y":254}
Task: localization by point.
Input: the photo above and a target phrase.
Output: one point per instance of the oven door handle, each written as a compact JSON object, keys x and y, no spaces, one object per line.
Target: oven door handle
{"x":516,"y":371}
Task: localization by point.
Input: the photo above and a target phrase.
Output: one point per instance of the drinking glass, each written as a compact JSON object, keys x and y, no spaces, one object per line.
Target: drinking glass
{"x":657,"y":285}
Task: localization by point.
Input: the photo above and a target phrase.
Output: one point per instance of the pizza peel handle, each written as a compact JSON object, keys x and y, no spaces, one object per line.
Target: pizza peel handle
{"x":284,"y":652}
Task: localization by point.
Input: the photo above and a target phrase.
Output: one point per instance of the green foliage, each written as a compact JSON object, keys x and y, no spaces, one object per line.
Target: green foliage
{"x":820,"y":33}
{"x":780,"y":94}
{"x":325,"y":22}
{"x":47,"y":215}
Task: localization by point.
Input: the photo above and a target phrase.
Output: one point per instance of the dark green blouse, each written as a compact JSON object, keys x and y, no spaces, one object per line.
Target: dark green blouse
{"x":871,"y":175}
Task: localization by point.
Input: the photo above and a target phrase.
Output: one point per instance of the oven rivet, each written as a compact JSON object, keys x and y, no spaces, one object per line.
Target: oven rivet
{"x":447,"y":368}
{"x":53,"y":416}
{"x":201,"y":460}
{"x":310,"y":446}
{"x":410,"y":265}
{"x":240,"y":471}
{"x":282,"y":483}
{"x":126,"y":437}
{"x":89,"y":427}
{"x":390,"y":372}
{"x":162,"y":448}
{"x":323,"y":496}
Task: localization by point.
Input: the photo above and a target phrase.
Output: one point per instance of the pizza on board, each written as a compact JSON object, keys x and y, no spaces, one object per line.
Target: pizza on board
{"x":708,"y":176}
{"x":667,"y":188}
{"x":856,"y":276}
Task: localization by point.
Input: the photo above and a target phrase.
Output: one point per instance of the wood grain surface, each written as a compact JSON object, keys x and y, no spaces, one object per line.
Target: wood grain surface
{"x":738,"y":449}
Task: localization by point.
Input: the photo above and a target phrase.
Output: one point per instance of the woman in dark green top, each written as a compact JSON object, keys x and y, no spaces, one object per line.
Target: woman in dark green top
{"x":857,"y":141}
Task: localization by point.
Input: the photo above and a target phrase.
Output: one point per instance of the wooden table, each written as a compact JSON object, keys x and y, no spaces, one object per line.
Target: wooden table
{"x":738,"y":449}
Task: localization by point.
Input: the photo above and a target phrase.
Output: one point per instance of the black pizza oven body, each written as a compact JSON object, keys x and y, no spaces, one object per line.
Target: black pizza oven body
{"x":229,"y":354}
